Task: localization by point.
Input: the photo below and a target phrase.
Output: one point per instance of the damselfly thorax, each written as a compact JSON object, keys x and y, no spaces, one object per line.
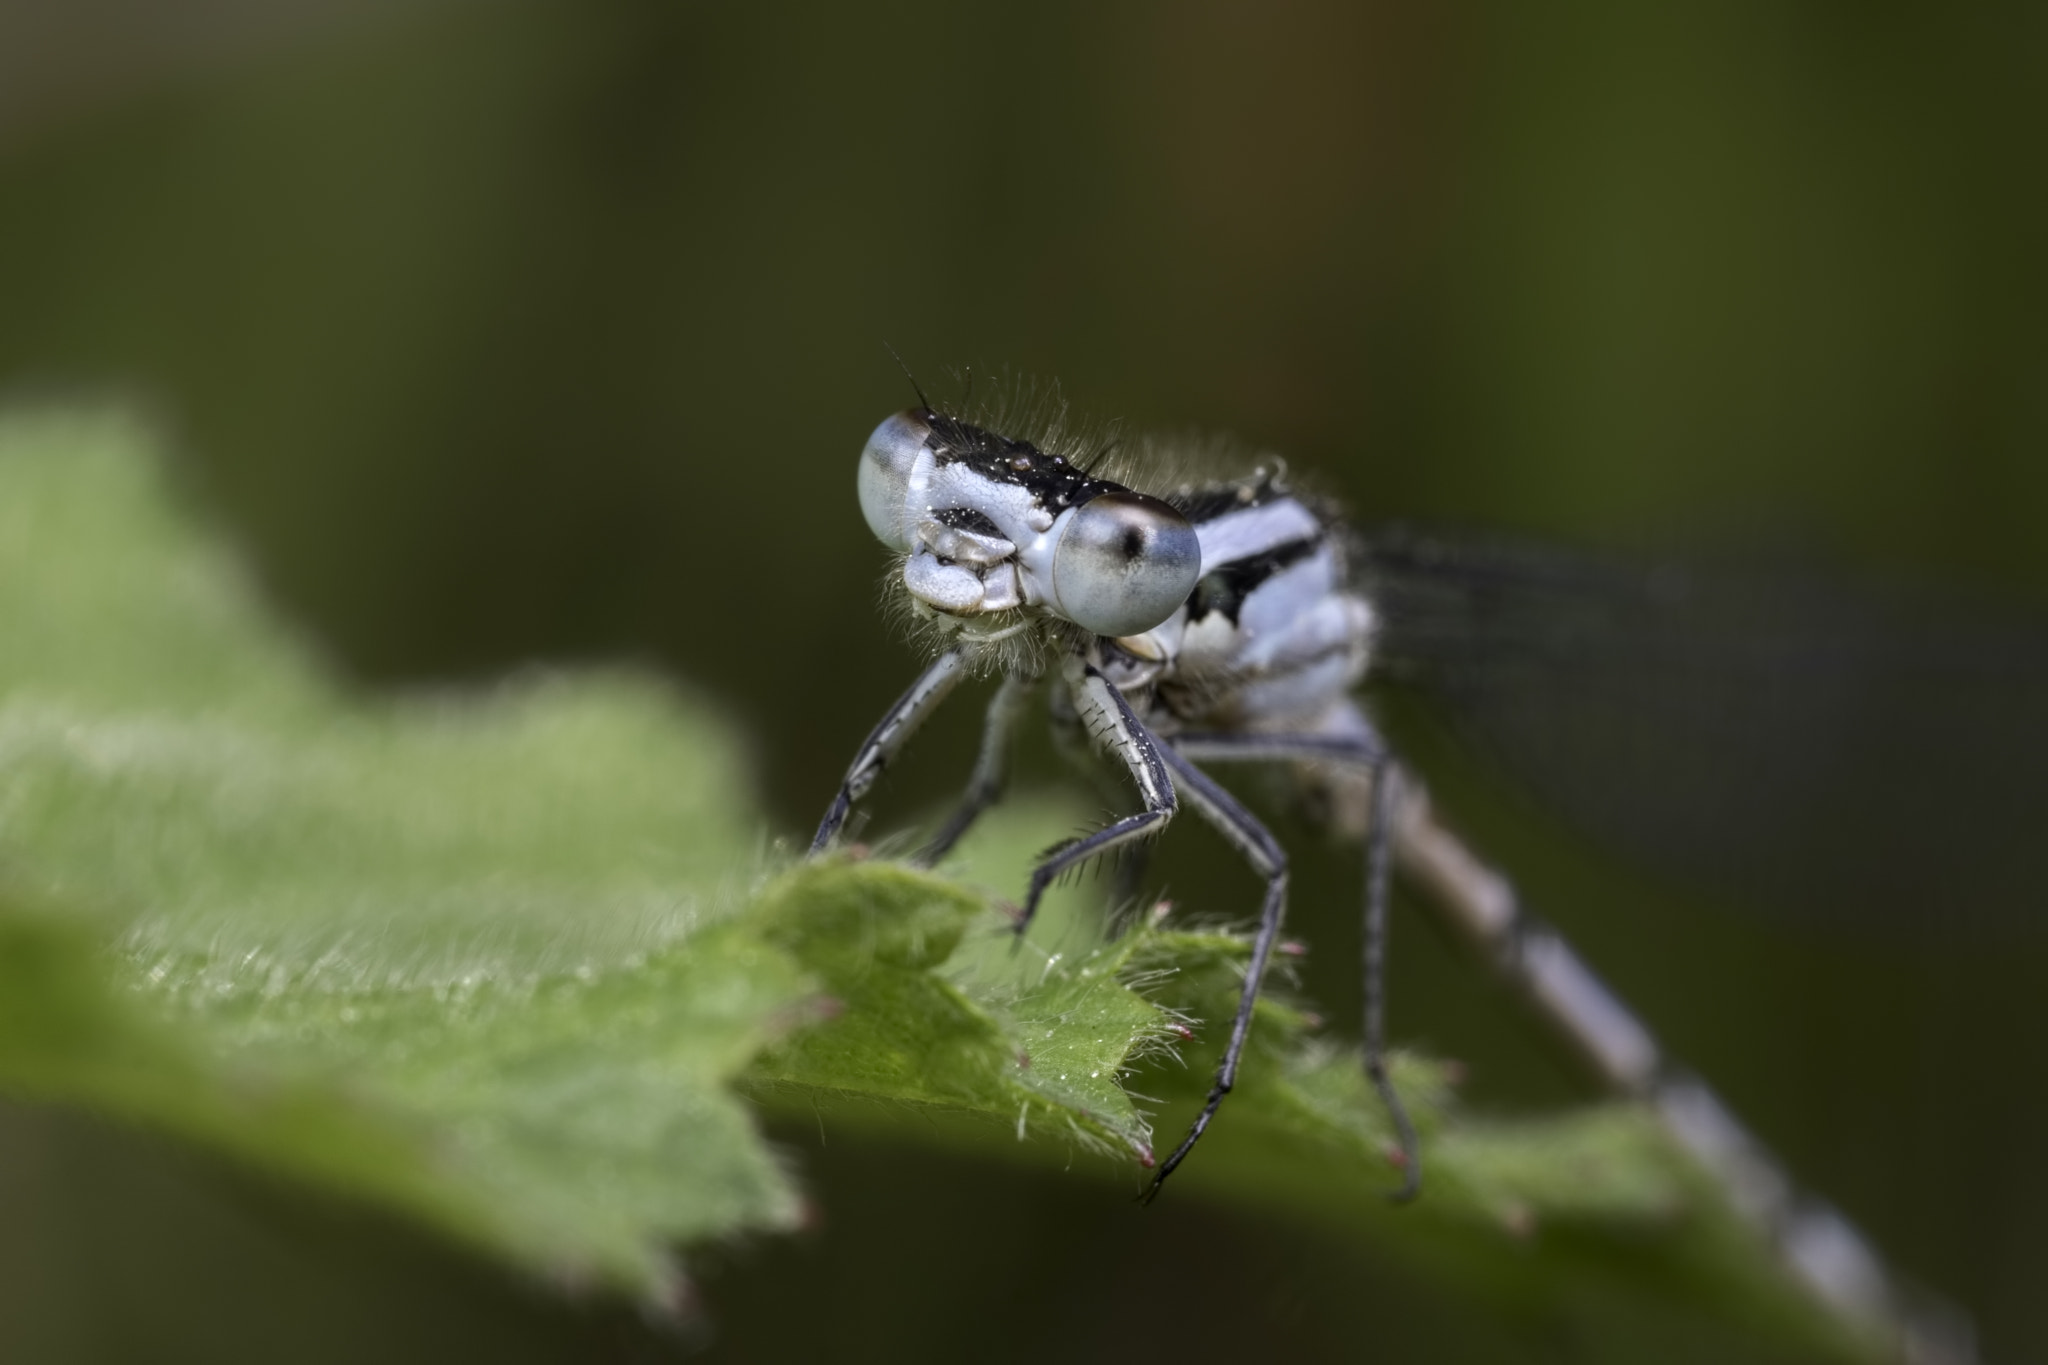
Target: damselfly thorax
{"x":1221,"y":619}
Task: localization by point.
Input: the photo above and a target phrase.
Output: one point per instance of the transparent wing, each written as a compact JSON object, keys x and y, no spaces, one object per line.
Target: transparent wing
{"x":1837,"y":751}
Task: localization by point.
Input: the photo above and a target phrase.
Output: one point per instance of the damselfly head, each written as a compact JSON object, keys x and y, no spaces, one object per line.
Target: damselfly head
{"x":998,"y":533}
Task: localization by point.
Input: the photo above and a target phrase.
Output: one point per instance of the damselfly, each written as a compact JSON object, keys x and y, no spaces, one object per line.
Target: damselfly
{"x":1220,"y":619}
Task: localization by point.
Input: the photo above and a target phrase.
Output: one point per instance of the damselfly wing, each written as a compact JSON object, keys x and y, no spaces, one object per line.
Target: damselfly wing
{"x":1869,"y":755}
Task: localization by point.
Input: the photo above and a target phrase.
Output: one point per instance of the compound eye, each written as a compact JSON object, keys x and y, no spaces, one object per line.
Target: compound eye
{"x":1124,"y":564}
{"x":885,"y":467}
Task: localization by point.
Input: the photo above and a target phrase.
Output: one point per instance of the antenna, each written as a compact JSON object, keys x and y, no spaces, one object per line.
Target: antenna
{"x":915,"y":387}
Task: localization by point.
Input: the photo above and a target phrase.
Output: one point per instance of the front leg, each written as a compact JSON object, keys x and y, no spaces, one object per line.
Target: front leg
{"x":887,"y":739}
{"x":1115,"y":727}
{"x":991,"y":767}
{"x":1070,"y":740}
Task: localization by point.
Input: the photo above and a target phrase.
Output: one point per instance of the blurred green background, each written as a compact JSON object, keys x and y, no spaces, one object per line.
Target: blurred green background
{"x":539,"y":329}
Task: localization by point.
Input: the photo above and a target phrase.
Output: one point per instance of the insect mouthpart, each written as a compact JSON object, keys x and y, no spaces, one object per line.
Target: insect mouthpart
{"x":961,"y":565}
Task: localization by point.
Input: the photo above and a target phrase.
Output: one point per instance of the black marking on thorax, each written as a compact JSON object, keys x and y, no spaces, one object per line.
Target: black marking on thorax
{"x":1225,"y":587}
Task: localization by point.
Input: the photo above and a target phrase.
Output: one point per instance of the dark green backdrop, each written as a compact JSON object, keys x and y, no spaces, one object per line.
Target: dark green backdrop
{"x":552,"y":329}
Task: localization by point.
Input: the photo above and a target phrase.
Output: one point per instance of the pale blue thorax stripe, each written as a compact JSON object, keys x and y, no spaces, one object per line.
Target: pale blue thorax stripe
{"x":1253,"y":531}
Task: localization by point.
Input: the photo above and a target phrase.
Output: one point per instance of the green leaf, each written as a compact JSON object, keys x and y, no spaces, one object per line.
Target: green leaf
{"x":474,"y":957}
{"x":504,"y":961}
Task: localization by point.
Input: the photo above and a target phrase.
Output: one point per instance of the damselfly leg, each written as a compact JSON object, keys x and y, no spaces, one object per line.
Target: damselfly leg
{"x":887,"y":739}
{"x":1116,"y":727}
